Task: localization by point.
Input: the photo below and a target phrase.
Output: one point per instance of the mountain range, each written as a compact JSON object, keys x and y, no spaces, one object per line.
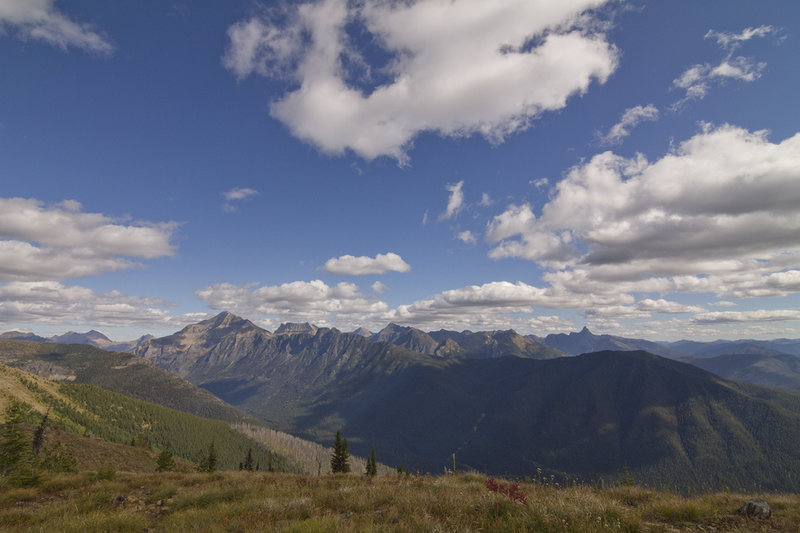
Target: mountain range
{"x":92,"y":338}
{"x":420,"y":398}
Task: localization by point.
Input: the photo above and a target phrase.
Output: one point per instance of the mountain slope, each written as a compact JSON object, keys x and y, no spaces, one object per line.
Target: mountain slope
{"x":82,"y":409}
{"x":120,"y":372}
{"x":673,"y":424}
{"x":278,"y":378}
{"x":770,"y":371}
{"x":588,"y":416}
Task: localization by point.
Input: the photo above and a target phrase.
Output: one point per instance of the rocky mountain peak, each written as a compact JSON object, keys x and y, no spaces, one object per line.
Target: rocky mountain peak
{"x":292,"y":328}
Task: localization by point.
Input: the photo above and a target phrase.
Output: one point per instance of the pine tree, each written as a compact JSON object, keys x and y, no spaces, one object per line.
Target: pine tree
{"x":372,"y":465}
{"x":340,"y":460}
{"x":13,"y":443}
{"x":248,"y":461}
{"x":15,"y":462}
{"x":38,"y":435}
{"x":165,"y":461}
{"x":211,"y":458}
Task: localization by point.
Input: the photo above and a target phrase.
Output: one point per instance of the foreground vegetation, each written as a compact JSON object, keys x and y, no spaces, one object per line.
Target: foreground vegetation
{"x":243,"y":501}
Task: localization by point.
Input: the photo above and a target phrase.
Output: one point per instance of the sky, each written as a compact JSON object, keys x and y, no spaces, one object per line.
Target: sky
{"x":629,"y":166}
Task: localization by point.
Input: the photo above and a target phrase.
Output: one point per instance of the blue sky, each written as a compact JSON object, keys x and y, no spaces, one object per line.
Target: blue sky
{"x":629,"y":166}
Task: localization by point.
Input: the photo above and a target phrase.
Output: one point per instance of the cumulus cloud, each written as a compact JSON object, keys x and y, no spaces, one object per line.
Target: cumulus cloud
{"x":39,"y":20}
{"x":664,"y":306}
{"x":358,"y":266}
{"x":379,"y":288}
{"x":51,"y":302}
{"x":631,"y":118}
{"x":236,"y":194}
{"x":455,"y":202}
{"x":496,"y":305}
{"x":718,"y":214}
{"x":725,"y":201}
{"x":57,"y":242}
{"x":467,"y":237}
{"x":453,"y":68}
{"x":298,"y":301}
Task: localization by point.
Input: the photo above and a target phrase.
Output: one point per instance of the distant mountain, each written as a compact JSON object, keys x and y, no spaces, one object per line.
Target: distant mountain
{"x":491,"y":344}
{"x":91,"y":338}
{"x":23,"y":336}
{"x":481,"y":345}
{"x":364,"y":332}
{"x":585,"y":342}
{"x":673,"y":424}
{"x":292,"y":328}
{"x":415,"y":340}
{"x":721,"y":347}
{"x":769,"y":370}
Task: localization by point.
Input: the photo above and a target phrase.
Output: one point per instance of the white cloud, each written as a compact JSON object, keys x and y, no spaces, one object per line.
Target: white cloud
{"x":486,"y":200}
{"x":62,"y":241}
{"x":698,"y":79}
{"x":731,"y":41}
{"x":39,"y":20}
{"x":455,"y":202}
{"x":236,"y":194}
{"x":631,"y":118}
{"x":379,"y":288}
{"x":761,"y":315}
{"x":455,"y":68}
{"x":239,"y":193}
{"x":298,"y":301}
{"x":719,"y":214}
{"x":467,"y":237}
{"x":50,"y":302}
{"x":664,"y":306}
{"x":359,"y":266}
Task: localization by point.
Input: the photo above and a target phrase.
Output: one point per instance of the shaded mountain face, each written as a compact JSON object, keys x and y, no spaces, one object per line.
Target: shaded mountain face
{"x":585,"y":342}
{"x":768,"y":370}
{"x":673,"y":424}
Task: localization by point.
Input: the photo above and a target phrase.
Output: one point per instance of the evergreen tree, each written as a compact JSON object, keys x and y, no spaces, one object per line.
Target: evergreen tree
{"x":13,"y":443}
{"x":207,"y":461}
{"x":340,"y":459}
{"x":165,"y":461}
{"x":38,"y":435}
{"x":211,"y":458}
{"x":248,"y":461}
{"x":372,"y":465}
{"x":15,"y":462}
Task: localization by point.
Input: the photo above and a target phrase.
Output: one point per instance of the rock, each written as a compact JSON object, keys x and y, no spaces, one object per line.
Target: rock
{"x":755,"y":509}
{"x":119,"y":500}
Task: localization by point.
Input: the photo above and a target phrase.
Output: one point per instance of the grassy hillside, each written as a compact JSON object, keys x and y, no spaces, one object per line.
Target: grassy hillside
{"x":119,"y":372}
{"x":238,"y":501}
{"x":91,"y":411}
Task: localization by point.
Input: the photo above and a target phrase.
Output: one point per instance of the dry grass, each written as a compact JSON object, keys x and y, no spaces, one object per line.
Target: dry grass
{"x":239,"y":501}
